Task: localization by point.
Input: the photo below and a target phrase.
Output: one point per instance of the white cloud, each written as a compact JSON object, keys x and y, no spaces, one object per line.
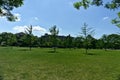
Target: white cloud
{"x":38,"y":28}
{"x":36,"y":18}
{"x":2,"y":17}
{"x":105,"y":18}
{"x":35,"y":28}
{"x":19,"y":28}
{"x":18,"y":16}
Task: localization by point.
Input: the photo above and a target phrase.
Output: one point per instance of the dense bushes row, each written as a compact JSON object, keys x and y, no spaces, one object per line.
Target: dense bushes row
{"x":111,"y":41}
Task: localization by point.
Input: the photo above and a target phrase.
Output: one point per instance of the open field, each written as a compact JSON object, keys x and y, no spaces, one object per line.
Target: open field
{"x":66,"y":64}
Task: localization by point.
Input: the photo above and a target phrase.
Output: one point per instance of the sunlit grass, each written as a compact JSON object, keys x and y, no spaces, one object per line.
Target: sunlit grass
{"x":65,"y":64}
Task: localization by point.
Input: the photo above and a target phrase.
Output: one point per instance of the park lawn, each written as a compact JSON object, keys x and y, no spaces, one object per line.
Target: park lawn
{"x":65,"y":64}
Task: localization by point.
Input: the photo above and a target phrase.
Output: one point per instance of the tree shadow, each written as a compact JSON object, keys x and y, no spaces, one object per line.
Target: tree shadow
{"x":118,"y":77}
{"x":52,"y":51}
{"x":91,"y":54}
{"x":1,"y":77}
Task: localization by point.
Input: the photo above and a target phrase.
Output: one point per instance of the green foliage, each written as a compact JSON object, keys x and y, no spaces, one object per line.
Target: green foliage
{"x":105,"y":41}
{"x":112,"y":5}
{"x":97,"y":2}
{"x":21,"y":39}
{"x":78,"y":42}
{"x":69,"y":41}
{"x":77,"y":5}
{"x":85,"y":31}
{"x":29,"y":35}
{"x":119,"y":14}
{"x":84,"y":3}
{"x":116,"y":21}
{"x":6,"y":6}
{"x":54,"y":32}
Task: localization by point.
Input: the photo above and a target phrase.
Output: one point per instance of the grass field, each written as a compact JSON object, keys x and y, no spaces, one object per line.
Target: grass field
{"x":65,"y":64}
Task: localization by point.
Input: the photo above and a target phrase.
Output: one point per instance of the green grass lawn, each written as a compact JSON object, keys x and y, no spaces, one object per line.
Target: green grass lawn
{"x":65,"y":64}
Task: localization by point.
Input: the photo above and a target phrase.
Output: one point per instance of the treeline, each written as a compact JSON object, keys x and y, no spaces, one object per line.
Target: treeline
{"x":21,"y":39}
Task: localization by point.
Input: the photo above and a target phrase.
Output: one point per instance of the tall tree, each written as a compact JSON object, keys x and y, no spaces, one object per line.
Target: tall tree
{"x":54,"y":32}
{"x":91,"y":42}
{"x":6,"y":7}
{"x":69,"y":41}
{"x":85,"y":31}
{"x":105,"y":41}
{"x":110,"y":4}
{"x":11,"y":39}
{"x":28,"y":31}
{"x":21,"y":37}
{"x":114,"y":41}
{"x":78,"y":42}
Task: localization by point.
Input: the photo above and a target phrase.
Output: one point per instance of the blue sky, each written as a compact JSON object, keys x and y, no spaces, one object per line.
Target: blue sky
{"x":43,"y":14}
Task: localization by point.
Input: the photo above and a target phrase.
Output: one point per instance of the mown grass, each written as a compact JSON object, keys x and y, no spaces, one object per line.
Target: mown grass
{"x":65,"y":64}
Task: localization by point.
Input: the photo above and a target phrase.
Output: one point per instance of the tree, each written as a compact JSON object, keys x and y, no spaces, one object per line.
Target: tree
{"x":69,"y":41}
{"x":45,"y":40}
{"x":85,"y":31}
{"x":11,"y":39}
{"x":6,"y":6}
{"x":21,"y":37}
{"x":28,"y":31}
{"x":78,"y":42}
{"x":91,"y":42}
{"x":54,"y":32}
{"x":112,"y":5}
{"x":4,"y":39}
{"x":105,"y":41}
{"x":114,"y":41}
{"x":99,"y":44}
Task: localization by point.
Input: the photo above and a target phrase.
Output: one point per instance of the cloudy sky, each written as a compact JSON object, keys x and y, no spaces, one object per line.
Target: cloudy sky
{"x":43,"y":14}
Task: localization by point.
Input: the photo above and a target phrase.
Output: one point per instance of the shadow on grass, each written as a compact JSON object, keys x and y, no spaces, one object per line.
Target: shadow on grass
{"x":118,"y":77}
{"x":1,"y":78}
{"x":91,"y":54}
{"x":52,"y":52}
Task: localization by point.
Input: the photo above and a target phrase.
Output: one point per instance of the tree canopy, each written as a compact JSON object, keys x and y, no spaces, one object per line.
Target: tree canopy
{"x":86,"y":32}
{"x":6,"y":6}
{"x":111,"y":4}
{"x":111,"y":41}
{"x":54,"y":33}
{"x":28,"y":31}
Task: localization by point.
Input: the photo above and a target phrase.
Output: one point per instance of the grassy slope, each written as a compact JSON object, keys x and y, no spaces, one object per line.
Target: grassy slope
{"x":41,"y":64}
